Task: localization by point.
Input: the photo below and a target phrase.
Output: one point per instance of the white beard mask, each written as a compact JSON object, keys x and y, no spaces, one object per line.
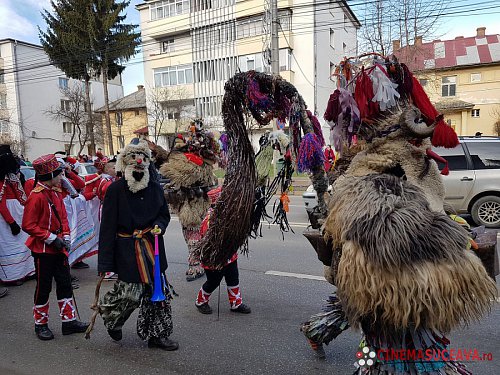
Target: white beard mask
{"x":135,"y":159}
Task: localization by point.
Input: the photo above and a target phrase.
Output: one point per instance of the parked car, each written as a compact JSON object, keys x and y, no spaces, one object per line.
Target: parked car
{"x":473,"y":184}
{"x":28,"y":172}
{"x":84,"y":169}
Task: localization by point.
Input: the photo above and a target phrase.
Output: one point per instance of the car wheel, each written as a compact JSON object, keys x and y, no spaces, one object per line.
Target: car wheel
{"x":486,"y":211}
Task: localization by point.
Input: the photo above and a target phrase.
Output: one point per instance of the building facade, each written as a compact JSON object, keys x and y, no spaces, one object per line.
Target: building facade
{"x":461,"y":77}
{"x":199,"y":44}
{"x":30,"y":87}
{"x":128,"y":118}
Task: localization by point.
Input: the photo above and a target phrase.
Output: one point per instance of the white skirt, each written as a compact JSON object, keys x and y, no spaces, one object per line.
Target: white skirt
{"x":16,"y":261}
{"x":84,"y":239}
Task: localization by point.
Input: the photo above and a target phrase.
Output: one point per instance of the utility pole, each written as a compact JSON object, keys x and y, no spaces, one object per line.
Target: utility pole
{"x":275,"y":49}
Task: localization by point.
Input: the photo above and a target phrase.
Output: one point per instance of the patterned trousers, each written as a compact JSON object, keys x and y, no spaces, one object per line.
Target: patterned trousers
{"x":116,"y":306}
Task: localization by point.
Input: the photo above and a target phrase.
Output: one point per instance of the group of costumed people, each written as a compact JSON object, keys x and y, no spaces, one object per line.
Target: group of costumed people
{"x":404,"y":270}
{"x":81,"y":197}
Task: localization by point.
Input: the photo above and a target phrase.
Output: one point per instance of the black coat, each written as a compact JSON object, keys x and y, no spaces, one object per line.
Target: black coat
{"x":124,"y":211}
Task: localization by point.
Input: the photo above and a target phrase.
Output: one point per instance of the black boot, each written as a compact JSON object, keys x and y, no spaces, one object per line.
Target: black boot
{"x":115,"y":334}
{"x":163,"y":343}
{"x":204,"y":308}
{"x":75,"y":326}
{"x":43,"y":332}
{"x":80,"y":265}
{"x":242,"y":309}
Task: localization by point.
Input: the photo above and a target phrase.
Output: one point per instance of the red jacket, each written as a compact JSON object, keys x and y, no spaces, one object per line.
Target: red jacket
{"x":9,"y":193}
{"x":40,"y":221}
{"x":96,"y":186}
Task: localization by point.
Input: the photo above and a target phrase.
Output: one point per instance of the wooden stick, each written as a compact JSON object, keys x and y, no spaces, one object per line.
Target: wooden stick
{"x":95,"y":307}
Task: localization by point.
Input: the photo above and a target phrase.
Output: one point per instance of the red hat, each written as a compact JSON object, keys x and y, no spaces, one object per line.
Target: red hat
{"x":47,"y":167}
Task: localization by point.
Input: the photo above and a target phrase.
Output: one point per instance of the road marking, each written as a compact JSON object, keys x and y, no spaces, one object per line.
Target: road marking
{"x":296,"y":275}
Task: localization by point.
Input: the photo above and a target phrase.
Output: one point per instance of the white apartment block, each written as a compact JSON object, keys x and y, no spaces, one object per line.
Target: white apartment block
{"x":200,"y":44}
{"x":29,"y":87}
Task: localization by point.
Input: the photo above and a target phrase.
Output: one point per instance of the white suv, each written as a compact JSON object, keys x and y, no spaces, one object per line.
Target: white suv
{"x":473,"y":185}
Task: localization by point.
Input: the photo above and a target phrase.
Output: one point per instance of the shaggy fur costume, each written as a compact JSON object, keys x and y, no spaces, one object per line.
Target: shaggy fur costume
{"x":403,"y":263}
{"x":184,"y":173}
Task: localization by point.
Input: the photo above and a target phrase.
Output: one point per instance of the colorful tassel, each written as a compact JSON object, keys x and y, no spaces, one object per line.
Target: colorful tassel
{"x":444,"y":135}
{"x":316,"y":127}
{"x":333,"y":107}
{"x":384,"y":89}
{"x":363,"y":94}
{"x":310,"y":153}
{"x":256,"y":97}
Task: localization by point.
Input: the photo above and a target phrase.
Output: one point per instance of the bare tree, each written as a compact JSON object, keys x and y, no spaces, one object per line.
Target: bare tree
{"x":73,"y":113}
{"x":384,"y":21}
{"x":168,"y":109}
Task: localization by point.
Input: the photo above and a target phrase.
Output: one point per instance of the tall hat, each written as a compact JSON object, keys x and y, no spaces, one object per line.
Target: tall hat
{"x":100,"y":162}
{"x":47,"y":167}
{"x":8,"y":161}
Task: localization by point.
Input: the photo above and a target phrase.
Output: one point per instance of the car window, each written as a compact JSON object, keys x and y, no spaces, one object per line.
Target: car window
{"x":91,"y":169}
{"x":28,"y":173}
{"x":455,"y":157}
{"x":485,"y":155}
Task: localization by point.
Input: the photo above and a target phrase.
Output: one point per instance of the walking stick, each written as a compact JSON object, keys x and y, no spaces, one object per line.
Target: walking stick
{"x":94,"y":307}
{"x":76,"y":306}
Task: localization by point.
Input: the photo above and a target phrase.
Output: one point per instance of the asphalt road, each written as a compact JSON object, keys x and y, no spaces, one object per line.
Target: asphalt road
{"x":268,"y":341}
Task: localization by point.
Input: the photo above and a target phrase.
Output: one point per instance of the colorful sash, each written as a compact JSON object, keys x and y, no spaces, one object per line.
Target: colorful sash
{"x":144,"y":253}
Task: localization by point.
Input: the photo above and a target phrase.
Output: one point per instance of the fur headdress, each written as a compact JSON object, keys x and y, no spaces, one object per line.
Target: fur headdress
{"x":8,"y":162}
{"x":133,"y":162}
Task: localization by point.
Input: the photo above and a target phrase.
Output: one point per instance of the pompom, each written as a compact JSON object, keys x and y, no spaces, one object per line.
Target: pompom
{"x":310,"y":153}
{"x":316,"y":127}
{"x":444,"y":135}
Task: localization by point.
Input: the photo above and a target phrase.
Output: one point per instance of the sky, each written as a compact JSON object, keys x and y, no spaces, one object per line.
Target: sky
{"x":19,"y":19}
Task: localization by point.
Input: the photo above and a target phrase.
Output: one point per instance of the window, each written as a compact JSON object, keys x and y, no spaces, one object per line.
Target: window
{"x":67,"y":127}
{"x":2,"y":76}
{"x":251,"y":62}
{"x":475,"y":113}
{"x":119,"y":118}
{"x":168,"y":8}
{"x":423,"y":82}
{"x":136,"y":112}
{"x":120,"y":140}
{"x":173,"y":75}
{"x":332,"y":38}
{"x":167,"y":46}
{"x":448,"y":86}
{"x":63,"y":83}
{"x":65,"y":105}
{"x":485,"y":155}
{"x":475,"y":77}
{"x":249,"y":27}
{"x":332,"y":71}
{"x":344,"y":49}
{"x":4,"y":127}
{"x":3,"y":101}
{"x":285,"y":59}
{"x":455,"y":157}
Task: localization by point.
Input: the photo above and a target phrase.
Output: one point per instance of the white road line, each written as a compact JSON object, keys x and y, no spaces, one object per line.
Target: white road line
{"x":296,"y":275}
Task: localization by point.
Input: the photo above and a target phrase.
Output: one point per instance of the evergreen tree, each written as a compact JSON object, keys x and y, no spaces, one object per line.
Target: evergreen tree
{"x":113,"y":43}
{"x":67,"y":44}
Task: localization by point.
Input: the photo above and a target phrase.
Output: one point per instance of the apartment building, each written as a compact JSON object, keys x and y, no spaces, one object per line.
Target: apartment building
{"x":199,"y":44}
{"x":29,"y":87}
{"x":461,"y":77}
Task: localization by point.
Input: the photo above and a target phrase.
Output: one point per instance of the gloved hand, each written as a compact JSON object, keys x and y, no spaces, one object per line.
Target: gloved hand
{"x":156,"y":230}
{"x":59,"y":244}
{"x":15,"y":228}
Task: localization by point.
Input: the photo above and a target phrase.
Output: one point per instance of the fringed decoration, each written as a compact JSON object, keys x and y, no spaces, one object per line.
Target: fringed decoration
{"x":263,"y":162}
{"x":328,"y":325}
{"x":384,"y":90}
{"x":363,"y":93}
{"x":310,"y":154}
{"x":444,"y":135}
{"x":316,"y":127}
{"x":333,"y":108}
{"x":256,"y":98}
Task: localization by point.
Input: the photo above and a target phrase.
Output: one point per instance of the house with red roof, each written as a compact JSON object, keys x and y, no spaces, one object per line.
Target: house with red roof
{"x":461,"y":77}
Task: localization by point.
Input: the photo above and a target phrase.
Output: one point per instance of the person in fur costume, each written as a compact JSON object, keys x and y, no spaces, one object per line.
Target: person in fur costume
{"x":189,"y":167}
{"x":133,"y":211}
{"x":405,"y":275}
{"x":16,"y":262}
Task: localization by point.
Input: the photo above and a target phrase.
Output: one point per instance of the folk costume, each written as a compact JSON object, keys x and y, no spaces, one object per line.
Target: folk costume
{"x":46,"y":222}
{"x":214,"y":276}
{"x":403,"y":270}
{"x":132,"y":207}
{"x":189,"y":167}
{"x":16,"y":262}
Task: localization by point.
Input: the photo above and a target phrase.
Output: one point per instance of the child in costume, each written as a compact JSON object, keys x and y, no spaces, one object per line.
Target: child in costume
{"x":45,"y":220}
{"x":214,"y":276}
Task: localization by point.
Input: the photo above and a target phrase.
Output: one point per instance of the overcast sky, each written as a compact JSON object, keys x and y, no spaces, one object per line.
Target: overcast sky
{"x":19,"y":20}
